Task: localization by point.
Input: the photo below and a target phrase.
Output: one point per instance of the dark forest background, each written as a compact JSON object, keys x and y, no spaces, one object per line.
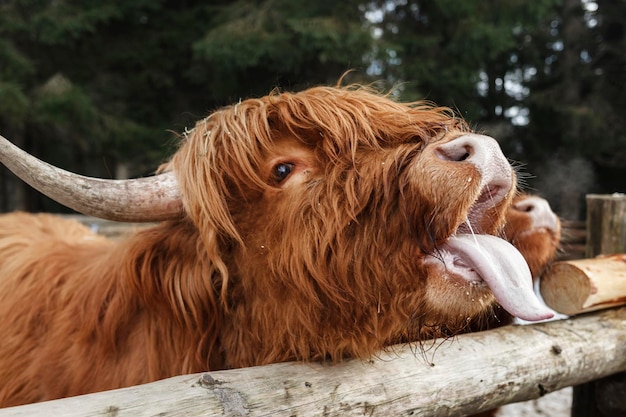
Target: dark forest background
{"x":102,"y":87}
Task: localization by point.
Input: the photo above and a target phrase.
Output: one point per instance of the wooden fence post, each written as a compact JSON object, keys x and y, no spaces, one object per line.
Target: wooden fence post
{"x":606,"y":224}
{"x":606,"y":234}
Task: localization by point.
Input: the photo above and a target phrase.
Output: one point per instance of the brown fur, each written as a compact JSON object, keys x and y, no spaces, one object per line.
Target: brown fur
{"x":322,"y":266}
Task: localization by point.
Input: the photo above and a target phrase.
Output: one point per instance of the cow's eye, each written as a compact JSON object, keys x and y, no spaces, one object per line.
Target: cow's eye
{"x":282,"y":171}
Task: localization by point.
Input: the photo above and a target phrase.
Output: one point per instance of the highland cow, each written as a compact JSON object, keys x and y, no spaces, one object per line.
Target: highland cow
{"x":318,"y":225}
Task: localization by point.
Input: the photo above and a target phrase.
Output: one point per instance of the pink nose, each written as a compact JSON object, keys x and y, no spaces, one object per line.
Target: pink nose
{"x":477,"y":149}
{"x":485,"y":154}
{"x":539,"y":211}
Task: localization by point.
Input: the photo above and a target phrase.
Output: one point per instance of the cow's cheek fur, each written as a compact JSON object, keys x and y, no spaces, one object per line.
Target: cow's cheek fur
{"x":282,"y":327}
{"x":296,"y":296}
{"x":454,"y":301}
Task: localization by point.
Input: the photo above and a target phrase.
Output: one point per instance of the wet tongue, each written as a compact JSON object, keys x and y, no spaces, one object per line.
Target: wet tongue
{"x":504,"y":269}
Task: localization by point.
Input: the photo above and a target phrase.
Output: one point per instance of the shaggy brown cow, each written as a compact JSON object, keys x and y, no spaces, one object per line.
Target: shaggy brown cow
{"x":318,"y":225}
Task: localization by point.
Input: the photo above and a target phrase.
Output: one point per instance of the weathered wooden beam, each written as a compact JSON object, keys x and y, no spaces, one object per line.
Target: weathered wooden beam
{"x":464,"y":375}
{"x":606,"y":224}
{"x":583,"y":285}
{"x":606,"y":235}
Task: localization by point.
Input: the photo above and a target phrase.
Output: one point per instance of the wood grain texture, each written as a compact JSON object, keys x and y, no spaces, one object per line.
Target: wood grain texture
{"x":606,"y":224}
{"x":468,"y":374}
{"x":577,"y":286}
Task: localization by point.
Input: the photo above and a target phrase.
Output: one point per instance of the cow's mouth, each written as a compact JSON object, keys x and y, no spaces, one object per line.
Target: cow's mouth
{"x":480,"y":259}
{"x":488,"y":259}
{"x":489,"y":196}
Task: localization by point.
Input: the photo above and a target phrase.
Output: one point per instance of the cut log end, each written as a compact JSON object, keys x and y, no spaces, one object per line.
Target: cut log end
{"x":565,"y":288}
{"x":573,"y":287}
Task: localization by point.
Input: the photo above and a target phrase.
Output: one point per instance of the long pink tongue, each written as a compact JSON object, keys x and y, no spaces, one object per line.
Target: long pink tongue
{"x":504,"y":269}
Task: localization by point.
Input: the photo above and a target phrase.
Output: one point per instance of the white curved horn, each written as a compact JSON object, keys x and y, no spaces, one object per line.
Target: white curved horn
{"x":136,"y":200}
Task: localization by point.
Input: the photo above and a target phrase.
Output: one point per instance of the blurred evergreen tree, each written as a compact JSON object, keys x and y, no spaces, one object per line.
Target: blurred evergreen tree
{"x":254,"y":45}
{"x":97,"y":85}
{"x":93,"y":86}
{"x":577,"y":105}
{"x":460,"y":54}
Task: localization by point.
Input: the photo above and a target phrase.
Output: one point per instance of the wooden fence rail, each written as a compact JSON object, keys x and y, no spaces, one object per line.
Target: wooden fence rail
{"x":464,"y":375}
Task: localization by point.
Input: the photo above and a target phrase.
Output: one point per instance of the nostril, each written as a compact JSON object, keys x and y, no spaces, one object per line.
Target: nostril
{"x":525,"y":207}
{"x":538,"y":209}
{"x":455,"y":152}
{"x":465,"y":155}
{"x":481,"y":155}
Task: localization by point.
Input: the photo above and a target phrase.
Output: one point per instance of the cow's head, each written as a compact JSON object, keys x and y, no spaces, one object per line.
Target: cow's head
{"x":349,"y":212}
